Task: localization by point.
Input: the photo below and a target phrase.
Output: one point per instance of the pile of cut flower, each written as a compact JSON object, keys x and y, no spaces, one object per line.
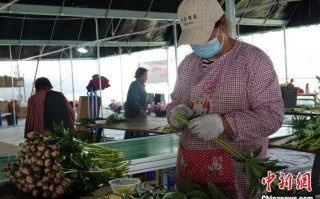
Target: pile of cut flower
{"x":52,"y":164}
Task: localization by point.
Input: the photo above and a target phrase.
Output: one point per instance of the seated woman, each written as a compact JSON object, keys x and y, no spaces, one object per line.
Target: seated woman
{"x":47,"y":107}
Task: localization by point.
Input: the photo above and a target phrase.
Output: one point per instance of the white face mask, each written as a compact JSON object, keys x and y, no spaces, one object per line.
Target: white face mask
{"x":209,"y":49}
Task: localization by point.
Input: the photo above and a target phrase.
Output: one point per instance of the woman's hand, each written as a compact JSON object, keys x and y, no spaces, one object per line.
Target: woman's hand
{"x":206,"y":127}
{"x":181,"y":110}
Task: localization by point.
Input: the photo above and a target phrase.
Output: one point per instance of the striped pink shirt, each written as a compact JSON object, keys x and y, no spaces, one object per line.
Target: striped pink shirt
{"x":242,"y":85}
{"x":36,"y":111}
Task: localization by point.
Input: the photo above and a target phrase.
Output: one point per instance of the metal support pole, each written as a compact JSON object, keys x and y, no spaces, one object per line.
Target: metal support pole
{"x":19,"y":88}
{"x":60,"y":75}
{"x":24,"y":89}
{"x":231,"y":18}
{"x":168,"y":74}
{"x":12,"y":86}
{"x":99,"y":71}
{"x":252,"y":39}
{"x":35,"y":74}
{"x":285,"y":52}
{"x":121,"y":75}
{"x":175,"y":44}
{"x":73,"y":97}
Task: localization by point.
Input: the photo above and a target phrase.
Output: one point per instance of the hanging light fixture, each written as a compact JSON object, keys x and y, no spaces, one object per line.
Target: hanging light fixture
{"x":82,"y":50}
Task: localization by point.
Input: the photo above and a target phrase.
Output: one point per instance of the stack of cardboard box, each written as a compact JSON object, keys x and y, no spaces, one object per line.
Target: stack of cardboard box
{"x":6,"y":81}
{"x":4,"y":107}
{"x":2,"y":81}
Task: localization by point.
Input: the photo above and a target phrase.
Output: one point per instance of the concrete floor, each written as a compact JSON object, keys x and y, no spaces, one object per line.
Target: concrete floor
{"x":14,"y":134}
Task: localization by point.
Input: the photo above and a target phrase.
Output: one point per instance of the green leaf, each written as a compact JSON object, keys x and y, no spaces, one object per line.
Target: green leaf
{"x":215,"y":192}
{"x":174,"y":195}
{"x":257,"y":152}
{"x":198,"y":194}
{"x":248,"y":155}
{"x":192,"y":186}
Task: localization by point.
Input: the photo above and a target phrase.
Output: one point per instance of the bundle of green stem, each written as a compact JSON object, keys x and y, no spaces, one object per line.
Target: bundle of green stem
{"x":88,"y":165}
{"x":307,"y":133}
{"x":54,"y":163}
{"x":95,"y":165}
{"x":255,"y":169}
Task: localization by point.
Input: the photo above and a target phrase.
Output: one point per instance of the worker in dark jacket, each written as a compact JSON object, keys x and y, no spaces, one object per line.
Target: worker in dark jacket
{"x":47,"y":107}
{"x":136,"y":104}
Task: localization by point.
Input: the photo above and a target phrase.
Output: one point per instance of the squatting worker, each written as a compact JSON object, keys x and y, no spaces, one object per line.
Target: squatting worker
{"x":47,"y":107}
{"x":231,"y":91}
{"x":136,"y":103}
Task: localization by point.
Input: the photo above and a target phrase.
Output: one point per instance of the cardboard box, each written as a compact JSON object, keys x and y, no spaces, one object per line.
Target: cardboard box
{"x":18,"y":81}
{"x":4,"y":107}
{"x":83,"y":111}
{"x":8,"y":80}
{"x":23,"y":112}
{"x":2,"y":81}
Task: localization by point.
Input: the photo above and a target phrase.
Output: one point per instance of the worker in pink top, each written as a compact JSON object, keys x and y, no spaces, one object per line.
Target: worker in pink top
{"x":229,"y":89}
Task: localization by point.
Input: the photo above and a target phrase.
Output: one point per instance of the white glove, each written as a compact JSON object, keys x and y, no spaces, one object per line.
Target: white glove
{"x":181,"y":109}
{"x":206,"y":127}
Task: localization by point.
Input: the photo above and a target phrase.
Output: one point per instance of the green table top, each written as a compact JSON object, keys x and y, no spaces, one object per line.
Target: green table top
{"x":146,"y":147}
{"x":7,"y":152}
{"x":145,"y":154}
{"x":148,"y":153}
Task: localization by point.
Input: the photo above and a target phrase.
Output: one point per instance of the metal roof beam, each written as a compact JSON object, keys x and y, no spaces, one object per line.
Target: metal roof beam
{"x":85,"y":12}
{"x":260,"y":22}
{"x":120,"y":14}
{"x":262,"y":6}
{"x":6,"y":42}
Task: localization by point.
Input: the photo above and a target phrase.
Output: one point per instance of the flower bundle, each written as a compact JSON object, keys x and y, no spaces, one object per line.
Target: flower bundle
{"x":160,"y":106}
{"x":254,"y":168}
{"x":115,"y":105}
{"x":53,"y":164}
